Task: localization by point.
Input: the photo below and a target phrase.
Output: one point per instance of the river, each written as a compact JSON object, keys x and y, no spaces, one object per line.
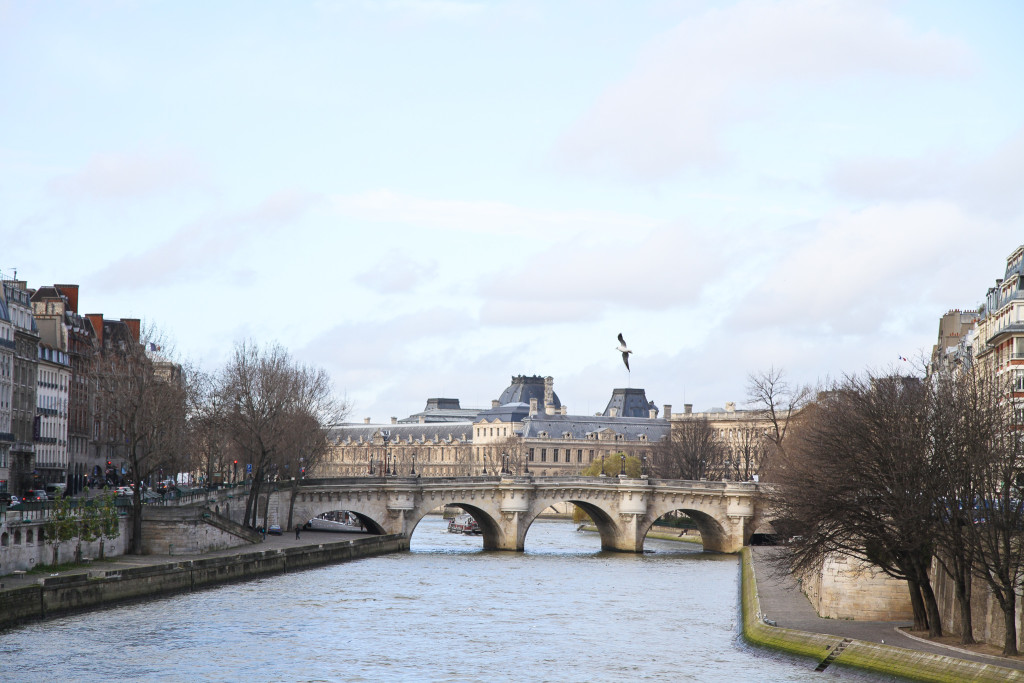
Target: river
{"x":446,"y":611}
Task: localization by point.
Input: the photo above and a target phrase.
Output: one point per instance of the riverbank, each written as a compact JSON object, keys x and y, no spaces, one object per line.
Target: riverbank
{"x":847,"y":643}
{"x":131,"y":578}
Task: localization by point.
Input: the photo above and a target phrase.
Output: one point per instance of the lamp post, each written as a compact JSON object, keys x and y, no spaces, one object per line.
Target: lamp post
{"x":413,"y":465}
{"x":602,"y":467}
{"x":622,"y":472}
{"x":643,"y":465}
{"x":727,"y":464}
{"x":504,"y":463}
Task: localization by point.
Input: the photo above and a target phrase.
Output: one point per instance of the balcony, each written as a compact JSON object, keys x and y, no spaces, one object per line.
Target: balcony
{"x":1013,"y":329}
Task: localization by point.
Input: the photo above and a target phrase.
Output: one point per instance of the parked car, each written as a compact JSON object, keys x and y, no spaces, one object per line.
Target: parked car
{"x":274,"y":529}
{"x":14,"y":500}
{"x":124,"y":491}
{"x":35,"y":496}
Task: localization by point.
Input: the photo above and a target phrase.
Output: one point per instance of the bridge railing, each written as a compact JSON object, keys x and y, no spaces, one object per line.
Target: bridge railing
{"x":529,"y":480}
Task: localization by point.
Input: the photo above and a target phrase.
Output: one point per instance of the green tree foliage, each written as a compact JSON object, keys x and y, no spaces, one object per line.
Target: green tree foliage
{"x":60,"y":525}
{"x":612,"y":467}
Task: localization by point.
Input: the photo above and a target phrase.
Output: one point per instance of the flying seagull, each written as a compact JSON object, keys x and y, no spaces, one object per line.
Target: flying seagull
{"x":625,"y":352}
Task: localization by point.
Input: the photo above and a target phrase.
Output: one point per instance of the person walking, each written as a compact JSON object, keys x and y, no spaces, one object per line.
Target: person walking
{"x":297,"y":529}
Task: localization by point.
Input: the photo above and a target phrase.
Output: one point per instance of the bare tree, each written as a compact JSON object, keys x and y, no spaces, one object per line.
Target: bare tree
{"x":512,"y":446}
{"x":857,"y":480}
{"x":998,"y":518}
{"x":778,"y":403}
{"x":269,"y":398}
{"x":142,"y":400}
{"x":691,"y":451}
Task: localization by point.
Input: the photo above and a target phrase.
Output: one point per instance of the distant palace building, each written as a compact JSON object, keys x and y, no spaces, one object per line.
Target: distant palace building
{"x":526,"y":429}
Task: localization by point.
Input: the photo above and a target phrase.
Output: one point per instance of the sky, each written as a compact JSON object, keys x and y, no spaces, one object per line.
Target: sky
{"x":427,"y":197}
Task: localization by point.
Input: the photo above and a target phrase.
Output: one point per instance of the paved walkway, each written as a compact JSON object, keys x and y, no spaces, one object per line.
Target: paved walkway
{"x":784,"y":603}
{"x":288,"y":540}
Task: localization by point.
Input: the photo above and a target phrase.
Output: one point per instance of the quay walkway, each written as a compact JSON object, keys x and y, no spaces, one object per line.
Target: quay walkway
{"x":782,"y":602}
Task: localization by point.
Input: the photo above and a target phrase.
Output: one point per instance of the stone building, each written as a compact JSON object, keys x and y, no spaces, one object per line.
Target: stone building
{"x":951,"y":349}
{"x":24,"y":379}
{"x":741,"y":432}
{"x":6,"y":393}
{"x":998,"y":338}
{"x":53,"y":387}
{"x":527,"y":428}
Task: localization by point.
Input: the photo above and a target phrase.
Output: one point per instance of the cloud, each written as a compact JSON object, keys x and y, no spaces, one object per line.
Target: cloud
{"x":480,"y":217}
{"x":574,"y":281}
{"x":127,"y":176}
{"x":870,"y":272}
{"x":989,"y":185}
{"x":399,"y":273}
{"x":204,"y":245}
{"x":719,"y":68}
{"x":423,"y":9}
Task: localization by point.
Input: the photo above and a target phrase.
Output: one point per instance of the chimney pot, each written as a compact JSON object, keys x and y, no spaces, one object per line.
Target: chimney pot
{"x":688,"y":408}
{"x":394,"y":420}
{"x":533,"y":407}
{"x":366,"y":420}
{"x":668,"y":411}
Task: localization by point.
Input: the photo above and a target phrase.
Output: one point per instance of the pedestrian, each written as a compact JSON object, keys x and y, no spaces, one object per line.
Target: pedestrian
{"x":297,"y":528}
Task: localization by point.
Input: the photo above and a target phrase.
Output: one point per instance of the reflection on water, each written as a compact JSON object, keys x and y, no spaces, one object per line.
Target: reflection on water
{"x":447,"y":611}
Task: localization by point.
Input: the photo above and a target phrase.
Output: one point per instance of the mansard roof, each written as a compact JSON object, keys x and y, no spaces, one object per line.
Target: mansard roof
{"x":523,"y":388}
{"x":580,"y":426}
{"x":629,"y":403}
{"x":428,"y":432}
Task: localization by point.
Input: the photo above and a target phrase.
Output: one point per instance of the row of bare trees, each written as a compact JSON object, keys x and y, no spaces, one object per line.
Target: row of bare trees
{"x":262,"y":411}
{"x":694,"y":450}
{"x":896,"y":471}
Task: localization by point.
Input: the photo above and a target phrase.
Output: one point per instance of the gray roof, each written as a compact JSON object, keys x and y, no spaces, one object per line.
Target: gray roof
{"x":523,"y":388}
{"x":430,"y":432}
{"x":629,"y":403}
{"x":579,"y":426}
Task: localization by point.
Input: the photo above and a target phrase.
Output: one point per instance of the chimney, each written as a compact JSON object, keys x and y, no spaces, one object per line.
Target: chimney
{"x":549,"y":408}
{"x":652,"y":413}
{"x":565,"y":411}
{"x":494,"y":403}
{"x":613,"y":412}
{"x":423,"y":419}
{"x":533,"y":407}
{"x":71,"y":292}
{"x":133,"y":326}
{"x":97,"y":325}
{"x":394,"y":420}
{"x":688,"y":408}
{"x":366,"y":420}
{"x":668,"y":411}
{"x":730,"y":406}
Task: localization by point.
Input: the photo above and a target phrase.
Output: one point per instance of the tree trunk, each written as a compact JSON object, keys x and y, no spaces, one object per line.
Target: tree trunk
{"x":1010,"y":624}
{"x":101,"y":547}
{"x":920,"y":616}
{"x":932,"y":609}
{"x":963,"y":601}
{"x":291,"y":503}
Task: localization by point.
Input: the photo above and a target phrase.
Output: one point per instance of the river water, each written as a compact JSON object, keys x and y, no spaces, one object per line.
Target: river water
{"x":447,"y":611}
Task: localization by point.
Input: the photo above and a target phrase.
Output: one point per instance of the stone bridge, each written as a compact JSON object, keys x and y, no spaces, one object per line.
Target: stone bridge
{"x":726,"y":513}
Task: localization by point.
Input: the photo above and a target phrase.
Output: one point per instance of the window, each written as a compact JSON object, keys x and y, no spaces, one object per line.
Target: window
{"x":579,"y":455}
{"x":543,"y":455}
{"x":554,"y":456}
{"x":531,"y":455}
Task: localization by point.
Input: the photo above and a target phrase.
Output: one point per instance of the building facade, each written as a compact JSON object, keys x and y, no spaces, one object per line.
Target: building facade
{"x":24,"y":378}
{"x":7,"y":348}
{"x":526,"y":429}
{"x":997,"y":342}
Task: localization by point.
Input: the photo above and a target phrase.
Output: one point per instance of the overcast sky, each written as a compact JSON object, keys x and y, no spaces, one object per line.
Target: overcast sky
{"x":426,"y":197}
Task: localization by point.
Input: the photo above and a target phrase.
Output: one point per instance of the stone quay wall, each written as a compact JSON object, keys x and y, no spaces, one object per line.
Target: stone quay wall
{"x":190,"y":531}
{"x":55,"y":596}
{"x":846,"y":588}
{"x":986,"y":615}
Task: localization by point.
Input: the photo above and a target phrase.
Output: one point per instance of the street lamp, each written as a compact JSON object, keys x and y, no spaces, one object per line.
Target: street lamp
{"x":622,"y":472}
{"x":643,"y":463}
{"x":504,"y":463}
{"x":602,"y":466}
{"x":727,"y":464}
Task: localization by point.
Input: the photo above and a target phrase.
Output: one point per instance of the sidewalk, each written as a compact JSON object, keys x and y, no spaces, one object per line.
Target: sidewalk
{"x":287,"y":540}
{"x":784,"y":603}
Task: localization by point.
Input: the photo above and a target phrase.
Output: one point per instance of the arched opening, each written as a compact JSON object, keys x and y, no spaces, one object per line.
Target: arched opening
{"x":710,"y":532}
{"x":17,"y":537}
{"x":345,"y":522}
{"x":585,"y":517}
{"x":454,"y":527}
{"x":28,"y":537}
{"x":5,"y":539}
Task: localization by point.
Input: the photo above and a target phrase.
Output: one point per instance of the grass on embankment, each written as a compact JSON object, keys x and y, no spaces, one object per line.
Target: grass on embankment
{"x":883,"y":659}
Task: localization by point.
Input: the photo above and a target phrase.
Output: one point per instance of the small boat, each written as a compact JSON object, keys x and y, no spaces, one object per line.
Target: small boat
{"x":464,"y":524}
{"x":345,"y":523}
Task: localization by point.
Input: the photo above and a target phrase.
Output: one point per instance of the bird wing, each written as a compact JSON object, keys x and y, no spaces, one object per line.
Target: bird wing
{"x":621,"y":340}
{"x":625,"y":359}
